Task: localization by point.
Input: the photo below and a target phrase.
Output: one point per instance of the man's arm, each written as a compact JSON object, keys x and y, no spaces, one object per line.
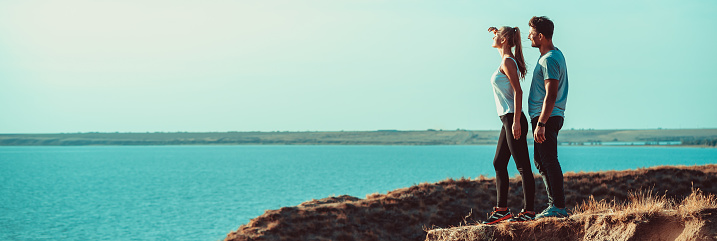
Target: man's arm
{"x":551,"y":93}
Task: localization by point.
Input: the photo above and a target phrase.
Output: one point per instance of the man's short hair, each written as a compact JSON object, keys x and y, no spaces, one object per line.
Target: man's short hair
{"x":542,"y":25}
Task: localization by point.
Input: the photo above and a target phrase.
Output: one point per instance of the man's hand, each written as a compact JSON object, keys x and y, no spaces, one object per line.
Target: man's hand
{"x":539,"y":134}
{"x":551,"y":93}
{"x":516,"y":130}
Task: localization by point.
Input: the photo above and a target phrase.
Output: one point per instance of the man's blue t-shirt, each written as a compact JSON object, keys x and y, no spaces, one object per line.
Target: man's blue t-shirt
{"x":551,"y":65}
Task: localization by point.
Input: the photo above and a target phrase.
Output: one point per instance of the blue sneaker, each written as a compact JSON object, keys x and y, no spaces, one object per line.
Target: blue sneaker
{"x":552,"y":211}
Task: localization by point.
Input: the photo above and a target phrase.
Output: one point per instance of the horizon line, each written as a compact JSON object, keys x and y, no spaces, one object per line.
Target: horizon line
{"x":308,"y":131}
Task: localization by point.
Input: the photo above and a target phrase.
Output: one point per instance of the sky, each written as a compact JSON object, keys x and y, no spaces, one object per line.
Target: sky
{"x":353,"y":65}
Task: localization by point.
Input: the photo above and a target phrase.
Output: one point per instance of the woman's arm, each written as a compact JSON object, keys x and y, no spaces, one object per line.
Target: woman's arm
{"x":511,"y":70}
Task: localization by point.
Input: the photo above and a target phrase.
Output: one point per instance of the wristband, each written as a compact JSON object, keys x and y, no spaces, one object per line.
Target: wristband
{"x":541,"y":124}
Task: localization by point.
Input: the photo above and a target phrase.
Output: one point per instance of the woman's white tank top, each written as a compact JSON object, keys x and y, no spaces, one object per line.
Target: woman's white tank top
{"x":503,"y":92}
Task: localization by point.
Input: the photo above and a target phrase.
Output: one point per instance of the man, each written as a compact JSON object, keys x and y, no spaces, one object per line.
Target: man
{"x":546,"y":106}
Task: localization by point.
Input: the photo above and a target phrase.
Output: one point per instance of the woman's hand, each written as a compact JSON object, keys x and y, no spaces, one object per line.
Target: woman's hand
{"x":493,"y":29}
{"x":516,"y":130}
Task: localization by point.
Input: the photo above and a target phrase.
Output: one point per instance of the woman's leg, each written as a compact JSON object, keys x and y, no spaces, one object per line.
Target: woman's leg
{"x":500,"y":163}
{"x":519,"y":151}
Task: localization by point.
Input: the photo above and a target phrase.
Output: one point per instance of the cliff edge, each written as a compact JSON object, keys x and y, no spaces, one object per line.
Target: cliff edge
{"x":409,"y":213}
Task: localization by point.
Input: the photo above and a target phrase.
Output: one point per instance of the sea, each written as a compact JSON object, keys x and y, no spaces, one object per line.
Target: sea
{"x":205,"y":192}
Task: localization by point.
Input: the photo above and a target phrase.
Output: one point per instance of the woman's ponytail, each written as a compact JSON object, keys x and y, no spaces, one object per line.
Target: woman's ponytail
{"x":519,"y":53}
{"x":512,"y":36}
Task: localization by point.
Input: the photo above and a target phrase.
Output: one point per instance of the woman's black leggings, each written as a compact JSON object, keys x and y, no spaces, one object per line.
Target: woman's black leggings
{"x":507,"y":147}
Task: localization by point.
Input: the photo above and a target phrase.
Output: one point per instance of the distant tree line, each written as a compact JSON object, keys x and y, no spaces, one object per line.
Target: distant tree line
{"x":700,"y":142}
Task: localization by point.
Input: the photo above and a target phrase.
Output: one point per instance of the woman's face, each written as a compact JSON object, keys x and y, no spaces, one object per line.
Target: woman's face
{"x":497,"y":40}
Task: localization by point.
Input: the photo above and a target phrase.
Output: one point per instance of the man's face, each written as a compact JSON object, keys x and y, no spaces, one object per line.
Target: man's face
{"x":535,"y":37}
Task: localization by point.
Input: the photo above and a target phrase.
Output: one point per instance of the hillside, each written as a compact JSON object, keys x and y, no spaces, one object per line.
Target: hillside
{"x":258,"y":138}
{"x":406,"y":214}
{"x":386,"y":137}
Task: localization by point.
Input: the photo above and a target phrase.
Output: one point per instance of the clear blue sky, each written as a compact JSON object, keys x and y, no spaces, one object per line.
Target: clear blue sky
{"x":156,"y":65}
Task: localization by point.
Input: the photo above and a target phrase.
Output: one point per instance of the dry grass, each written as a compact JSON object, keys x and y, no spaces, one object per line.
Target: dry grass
{"x":696,"y":202}
{"x":644,"y":216}
{"x":646,"y":204}
{"x":642,"y":203}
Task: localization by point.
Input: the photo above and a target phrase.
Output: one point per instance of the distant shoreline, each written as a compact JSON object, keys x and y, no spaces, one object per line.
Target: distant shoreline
{"x":683,"y":137}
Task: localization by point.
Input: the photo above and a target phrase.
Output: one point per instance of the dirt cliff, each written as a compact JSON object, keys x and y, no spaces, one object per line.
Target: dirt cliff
{"x":407,"y":213}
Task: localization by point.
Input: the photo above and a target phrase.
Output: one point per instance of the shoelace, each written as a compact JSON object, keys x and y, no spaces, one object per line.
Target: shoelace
{"x":523,"y":214}
{"x":491,"y":213}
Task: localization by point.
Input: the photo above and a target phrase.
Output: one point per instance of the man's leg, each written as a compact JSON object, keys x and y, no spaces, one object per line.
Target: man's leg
{"x":550,"y":160}
{"x":537,"y":158}
{"x":546,"y":157}
{"x":549,"y":165}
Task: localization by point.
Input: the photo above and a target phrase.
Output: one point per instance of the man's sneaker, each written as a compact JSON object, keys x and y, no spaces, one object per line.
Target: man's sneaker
{"x":552,"y":211}
{"x":523,"y":216}
{"x":498,"y":215}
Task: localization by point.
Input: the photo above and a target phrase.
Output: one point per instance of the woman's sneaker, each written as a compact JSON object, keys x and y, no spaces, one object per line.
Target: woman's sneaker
{"x":498,"y":215}
{"x":523,"y":216}
{"x":552,"y":211}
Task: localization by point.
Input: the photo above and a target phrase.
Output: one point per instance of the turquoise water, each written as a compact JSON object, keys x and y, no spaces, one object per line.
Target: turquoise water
{"x":204,"y":192}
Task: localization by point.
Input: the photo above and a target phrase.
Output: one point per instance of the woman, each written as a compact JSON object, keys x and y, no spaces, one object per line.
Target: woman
{"x":512,"y":142}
